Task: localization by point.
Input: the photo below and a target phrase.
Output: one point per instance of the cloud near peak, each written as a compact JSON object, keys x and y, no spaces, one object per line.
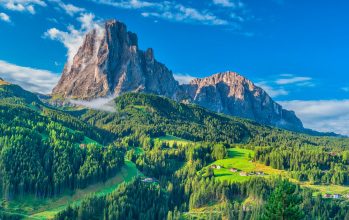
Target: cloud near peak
{"x":322,"y":115}
{"x":73,"y":37}
{"x":183,"y":78}
{"x":31,"y":79}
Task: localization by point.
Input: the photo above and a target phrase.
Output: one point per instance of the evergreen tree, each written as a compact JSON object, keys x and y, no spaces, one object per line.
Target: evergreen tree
{"x":284,"y":203}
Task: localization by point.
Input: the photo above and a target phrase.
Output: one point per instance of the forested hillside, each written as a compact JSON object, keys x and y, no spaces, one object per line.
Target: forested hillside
{"x":46,"y":150}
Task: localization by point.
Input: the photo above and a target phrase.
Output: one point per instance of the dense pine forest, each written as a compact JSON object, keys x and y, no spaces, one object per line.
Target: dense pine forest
{"x":47,"y":150}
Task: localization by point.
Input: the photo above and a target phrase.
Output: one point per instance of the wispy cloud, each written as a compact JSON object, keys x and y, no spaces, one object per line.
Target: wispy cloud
{"x":283,"y":84}
{"x":32,"y":79}
{"x":128,"y":4}
{"x":322,"y":115}
{"x":70,"y":9}
{"x":345,"y":89}
{"x":272,"y":91}
{"x":104,"y":104}
{"x":182,"y":13}
{"x":73,"y":37}
{"x":229,"y":3}
{"x":5,"y":17}
{"x":22,"y":5}
{"x":179,"y":12}
{"x":183,"y":78}
{"x":293,"y":80}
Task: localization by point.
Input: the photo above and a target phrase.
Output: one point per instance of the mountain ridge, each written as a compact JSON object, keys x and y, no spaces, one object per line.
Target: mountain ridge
{"x":110,"y":63}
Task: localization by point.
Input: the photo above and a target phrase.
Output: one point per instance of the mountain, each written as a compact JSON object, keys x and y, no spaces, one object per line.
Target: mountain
{"x":232,"y":94}
{"x":110,"y":63}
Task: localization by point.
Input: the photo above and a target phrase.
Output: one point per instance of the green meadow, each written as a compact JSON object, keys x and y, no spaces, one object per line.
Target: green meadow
{"x":172,"y":139}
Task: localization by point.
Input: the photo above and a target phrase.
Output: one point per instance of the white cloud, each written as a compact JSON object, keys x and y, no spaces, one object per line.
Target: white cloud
{"x":32,"y":79}
{"x":322,"y":115}
{"x":272,"y":91}
{"x":168,"y":10}
{"x":104,"y":104}
{"x":73,"y":38}
{"x":128,"y":4}
{"x":236,"y":17}
{"x":70,"y":9}
{"x":293,"y":80}
{"x":22,"y":5}
{"x":5,"y":17}
{"x":229,"y":3}
{"x":182,"y":13}
{"x":284,"y":84}
{"x":183,"y":78}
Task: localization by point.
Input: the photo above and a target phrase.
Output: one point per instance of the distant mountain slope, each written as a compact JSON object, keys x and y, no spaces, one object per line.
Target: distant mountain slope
{"x":109,"y":63}
{"x":13,"y":93}
{"x":139,"y":116}
{"x":232,"y":94}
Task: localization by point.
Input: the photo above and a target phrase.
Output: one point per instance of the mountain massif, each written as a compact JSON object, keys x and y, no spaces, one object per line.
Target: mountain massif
{"x":110,"y":63}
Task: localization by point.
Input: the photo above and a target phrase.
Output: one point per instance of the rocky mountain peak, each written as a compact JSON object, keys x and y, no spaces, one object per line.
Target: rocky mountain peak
{"x":109,"y":62}
{"x":233,"y":94}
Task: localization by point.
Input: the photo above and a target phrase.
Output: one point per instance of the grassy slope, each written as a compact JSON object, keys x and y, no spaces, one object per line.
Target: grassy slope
{"x":35,"y":208}
{"x":172,"y":139}
{"x":239,"y":159}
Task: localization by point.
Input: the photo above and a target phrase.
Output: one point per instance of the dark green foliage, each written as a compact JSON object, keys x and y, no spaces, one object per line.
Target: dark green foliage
{"x":140,"y":115}
{"x":43,"y":151}
{"x":15,"y":94}
{"x":136,"y":200}
{"x":317,"y":165}
{"x":42,"y":156}
{"x":284,"y":202}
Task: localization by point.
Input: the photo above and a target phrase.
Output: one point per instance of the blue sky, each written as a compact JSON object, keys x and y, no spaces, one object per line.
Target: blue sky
{"x":296,"y":50}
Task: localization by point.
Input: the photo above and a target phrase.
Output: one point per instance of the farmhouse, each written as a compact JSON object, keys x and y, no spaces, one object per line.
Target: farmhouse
{"x":336,"y":196}
{"x":327,"y":195}
{"x":233,"y":170}
{"x":148,"y":180}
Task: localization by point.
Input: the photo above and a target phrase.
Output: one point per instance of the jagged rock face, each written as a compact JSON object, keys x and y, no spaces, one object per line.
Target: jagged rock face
{"x":232,"y":94}
{"x":110,"y":63}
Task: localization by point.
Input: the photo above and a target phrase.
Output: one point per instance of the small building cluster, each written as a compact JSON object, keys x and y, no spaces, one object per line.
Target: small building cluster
{"x":149,"y":180}
{"x":334,"y":196}
{"x":214,"y":166}
{"x":252,"y":173}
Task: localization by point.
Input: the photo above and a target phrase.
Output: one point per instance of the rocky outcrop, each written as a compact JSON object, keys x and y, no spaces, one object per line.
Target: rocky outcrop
{"x":232,"y":94}
{"x":110,"y":63}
